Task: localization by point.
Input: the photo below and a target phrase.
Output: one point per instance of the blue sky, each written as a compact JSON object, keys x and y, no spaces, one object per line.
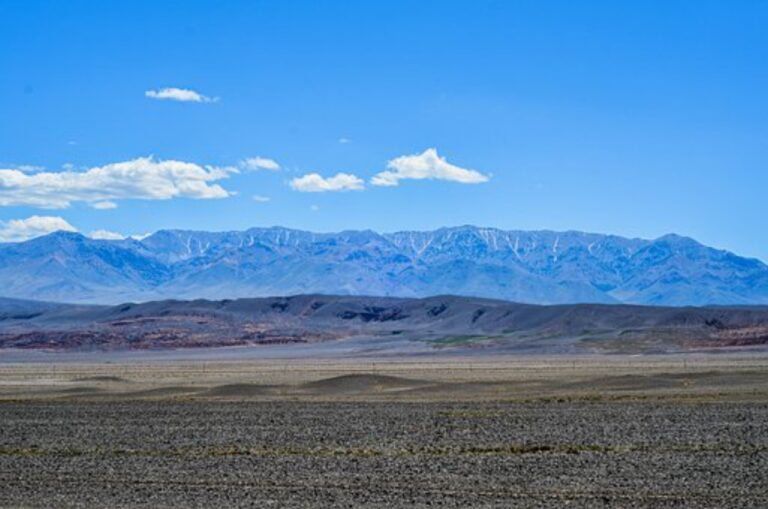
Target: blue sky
{"x":633,"y":118}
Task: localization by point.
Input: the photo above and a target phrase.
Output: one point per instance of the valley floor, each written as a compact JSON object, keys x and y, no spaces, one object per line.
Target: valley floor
{"x":462,"y":432}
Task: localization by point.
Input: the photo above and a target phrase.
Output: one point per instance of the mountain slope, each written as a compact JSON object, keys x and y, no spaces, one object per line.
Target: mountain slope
{"x":538,"y":267}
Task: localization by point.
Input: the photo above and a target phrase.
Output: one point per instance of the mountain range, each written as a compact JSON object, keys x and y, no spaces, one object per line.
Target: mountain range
{"x":366,"y":325}
{"x":541,"y":267}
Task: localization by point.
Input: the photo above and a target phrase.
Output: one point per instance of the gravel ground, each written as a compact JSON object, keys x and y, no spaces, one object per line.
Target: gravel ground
{"x":345,"y":454}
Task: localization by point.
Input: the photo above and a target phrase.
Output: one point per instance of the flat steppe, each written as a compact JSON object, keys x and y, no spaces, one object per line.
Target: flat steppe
{"x":582,"y":431}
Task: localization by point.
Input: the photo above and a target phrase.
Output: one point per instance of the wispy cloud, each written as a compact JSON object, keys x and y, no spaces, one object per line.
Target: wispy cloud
{"x":26,"y":168}
{"x":344,"y":140}
{"x":315,"y":183}
{"x":179,"y":94}
{"x":262,"y":199}
{"x":427,"y":165}
{"x":106,"y":235}
{"x":143,"y":178}
{"x":18,"y":230}
{"x":259,"y":163}
{"x":104,"y":205}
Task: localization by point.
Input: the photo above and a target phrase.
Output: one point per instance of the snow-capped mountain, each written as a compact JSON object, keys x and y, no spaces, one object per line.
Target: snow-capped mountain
{"x":525,"y":266}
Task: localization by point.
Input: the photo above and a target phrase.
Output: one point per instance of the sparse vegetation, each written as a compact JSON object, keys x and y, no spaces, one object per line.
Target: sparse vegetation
{"x":472,"y":431}
{"x":306,"y":454}
{"x":459,"y":340}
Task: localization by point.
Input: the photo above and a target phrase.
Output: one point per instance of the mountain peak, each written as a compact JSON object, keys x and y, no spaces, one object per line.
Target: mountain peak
{"x":674,"y":238}
{"x":61,"y":236}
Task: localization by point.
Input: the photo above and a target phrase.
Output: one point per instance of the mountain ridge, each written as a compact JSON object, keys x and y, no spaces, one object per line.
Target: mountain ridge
{"x":393,"y":325}
{"x":543,"y":267}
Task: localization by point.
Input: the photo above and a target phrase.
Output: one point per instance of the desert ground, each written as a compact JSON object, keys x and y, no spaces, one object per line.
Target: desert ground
{"x":454,"y":431}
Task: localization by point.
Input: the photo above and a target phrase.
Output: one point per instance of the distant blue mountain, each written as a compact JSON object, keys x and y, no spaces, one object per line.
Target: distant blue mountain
{"x":538,"y":267}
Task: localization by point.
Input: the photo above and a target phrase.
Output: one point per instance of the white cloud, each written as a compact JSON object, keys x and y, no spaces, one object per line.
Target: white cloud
{"x":179,"y":94}
{"x":314,"y":183}
{"x":314,"y":208}
{"x":18,"y":230}
{"x":143,"y":178}
{"x":106,"y":235}
{"x":259,"y":163}
{"x":344,"y":140}
{"x":427,"y":165}
{"x":262,"y":199}
{"x":104,"y":205}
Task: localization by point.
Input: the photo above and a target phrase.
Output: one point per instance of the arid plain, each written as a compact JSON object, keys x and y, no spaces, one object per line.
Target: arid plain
{"x":455,"y":431}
